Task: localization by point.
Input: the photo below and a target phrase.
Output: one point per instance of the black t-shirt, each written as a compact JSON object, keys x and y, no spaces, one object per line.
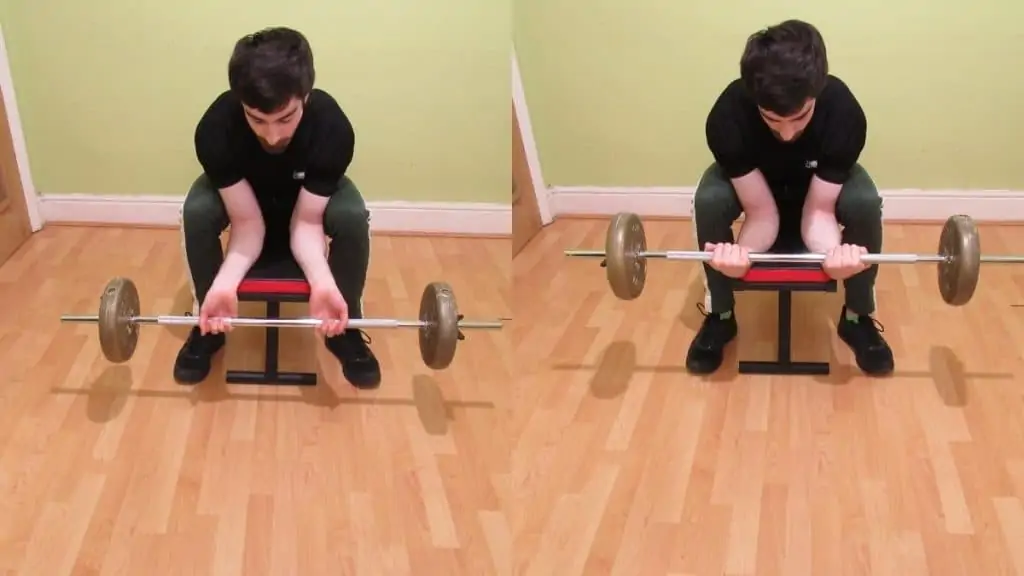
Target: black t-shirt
{"x":741,"y":141}
{"x":317,"y":157}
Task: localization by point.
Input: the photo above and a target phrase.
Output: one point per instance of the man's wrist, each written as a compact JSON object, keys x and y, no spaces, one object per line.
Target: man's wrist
{"x":322,"y":282}
{"x":225,"y":282}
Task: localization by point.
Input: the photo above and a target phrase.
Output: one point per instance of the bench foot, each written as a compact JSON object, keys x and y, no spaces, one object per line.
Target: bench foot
{"x":784,"y":368}
{"x":260,"y":377}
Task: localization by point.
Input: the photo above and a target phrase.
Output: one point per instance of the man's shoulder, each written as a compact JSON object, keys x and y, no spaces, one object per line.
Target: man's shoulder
{"x":734,"y":97}
{"x":327,"y":130}
{"x":221,"y":120}
{"x":840,"y":113}
{"x":325,"y":109}
{"x":837,"y":95}
{"x":225,"y":108}
{"x":732,"y":110}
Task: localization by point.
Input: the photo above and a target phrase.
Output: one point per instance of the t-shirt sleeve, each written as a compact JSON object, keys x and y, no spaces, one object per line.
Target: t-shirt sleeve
{"x":331,"y":154}
{"x":724,"y":132}
{"x":843,"y":142}
{"x":213,"y":149}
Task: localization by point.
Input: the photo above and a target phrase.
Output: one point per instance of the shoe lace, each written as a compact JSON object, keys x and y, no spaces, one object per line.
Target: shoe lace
{"x":359,"y":342}
{"x":871,"y":330}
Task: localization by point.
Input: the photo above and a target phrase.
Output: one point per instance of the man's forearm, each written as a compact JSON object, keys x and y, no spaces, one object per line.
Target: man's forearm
{"x":758,"y":233}
{"x":820,"y":229}
{"x":245,"y":243}
{"x":761,"y":216}
{"x":307,"y":243}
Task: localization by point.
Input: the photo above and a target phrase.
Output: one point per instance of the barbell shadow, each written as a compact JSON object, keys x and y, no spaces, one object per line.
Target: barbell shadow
{"x":618,"y":364}
{"x":950,"y":377}
{"x":108,"y":393}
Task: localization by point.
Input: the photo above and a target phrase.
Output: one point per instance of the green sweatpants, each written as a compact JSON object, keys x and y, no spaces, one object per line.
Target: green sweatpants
{"x":346,"y":222}
{"x":859,"y":212}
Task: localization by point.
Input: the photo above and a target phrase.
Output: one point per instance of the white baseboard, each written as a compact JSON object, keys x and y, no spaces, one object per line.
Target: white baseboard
{"x":463,"y":218}
{"x":907,"y":205}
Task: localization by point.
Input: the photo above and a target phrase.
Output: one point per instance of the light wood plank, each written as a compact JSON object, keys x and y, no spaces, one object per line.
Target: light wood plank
{"x":116,"y":469}
{"x":625,"y":464}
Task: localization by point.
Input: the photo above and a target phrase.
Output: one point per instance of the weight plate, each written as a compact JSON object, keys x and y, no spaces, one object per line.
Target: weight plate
{"x":118,"y":334}
{"x":958,"y":274}
{"x":626,"y":271}
{"x":440,"y":335}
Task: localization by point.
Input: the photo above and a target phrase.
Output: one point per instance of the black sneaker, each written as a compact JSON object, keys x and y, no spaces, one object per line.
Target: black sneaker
{"x":864,"y":337}
{"x":193,"y":362}
{"x":708,"y":346}
{"x":358,"y":363}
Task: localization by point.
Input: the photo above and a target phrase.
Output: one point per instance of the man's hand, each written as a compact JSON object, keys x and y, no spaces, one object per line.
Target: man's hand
{"x":844,"y":261}
{"x":732,"y":260}
{"x":221,"y":302}
{"x":327,"y":305}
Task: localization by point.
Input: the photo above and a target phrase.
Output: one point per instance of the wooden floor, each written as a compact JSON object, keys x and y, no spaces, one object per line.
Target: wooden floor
{"x":581,"y":448}
{"x":115,"y":469}
{"x":625,"y":465}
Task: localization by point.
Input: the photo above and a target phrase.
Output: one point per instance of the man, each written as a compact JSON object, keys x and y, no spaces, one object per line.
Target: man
{"x":786,"y":137}
{"x":274,"y":152}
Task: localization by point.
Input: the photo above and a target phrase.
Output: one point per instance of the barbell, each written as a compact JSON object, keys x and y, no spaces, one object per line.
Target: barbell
{"x":440,"y":324}
{"x":958,"y":259}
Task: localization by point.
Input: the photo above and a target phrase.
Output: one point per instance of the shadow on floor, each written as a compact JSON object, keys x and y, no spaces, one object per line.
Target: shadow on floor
{"x":109,"y":392}
{"x":618,"y":365}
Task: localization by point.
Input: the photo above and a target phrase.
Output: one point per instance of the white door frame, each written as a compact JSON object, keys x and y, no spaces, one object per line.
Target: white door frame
{"x":18,"y":136}
{"x":526,"y":131}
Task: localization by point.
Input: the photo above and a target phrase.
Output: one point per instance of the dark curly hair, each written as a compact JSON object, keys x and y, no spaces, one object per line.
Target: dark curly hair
{"x":784,"y":65}
{"x":270,"y":67}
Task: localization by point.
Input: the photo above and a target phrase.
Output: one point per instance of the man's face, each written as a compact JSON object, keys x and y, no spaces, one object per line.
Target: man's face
{"x":789,"y":128}
{"x":275,"y":130}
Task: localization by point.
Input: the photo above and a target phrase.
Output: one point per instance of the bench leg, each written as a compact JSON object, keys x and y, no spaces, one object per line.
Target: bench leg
{"x":270,"y":373}
{"x":784,"y":364}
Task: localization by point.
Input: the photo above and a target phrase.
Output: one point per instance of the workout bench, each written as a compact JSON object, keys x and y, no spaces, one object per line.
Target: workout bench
{"x":274,"y":280}
{"x":785,"y":278}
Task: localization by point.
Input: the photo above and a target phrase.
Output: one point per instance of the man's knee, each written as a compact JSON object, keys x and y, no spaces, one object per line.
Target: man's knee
{"x":203,"y":210}
{"x":859,"y":203}
{"x":346,"y":215}
{"x":346,"y":222}
{"x":714,"y":201}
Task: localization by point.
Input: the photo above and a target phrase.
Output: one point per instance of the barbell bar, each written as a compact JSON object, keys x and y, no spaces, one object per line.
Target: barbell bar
{"x":887,"y":258}
{"x":282,"y":322}
{"x":439,"y":323}
{"x":958,"y":258}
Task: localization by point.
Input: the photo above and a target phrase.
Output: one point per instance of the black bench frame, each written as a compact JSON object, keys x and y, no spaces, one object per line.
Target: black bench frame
{"x":784,"y":364}
{"x":283,"y":271}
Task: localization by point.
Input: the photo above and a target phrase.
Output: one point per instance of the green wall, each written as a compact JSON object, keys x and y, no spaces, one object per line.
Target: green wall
{"x":110,"y":91}
{"x":618,"y":92}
